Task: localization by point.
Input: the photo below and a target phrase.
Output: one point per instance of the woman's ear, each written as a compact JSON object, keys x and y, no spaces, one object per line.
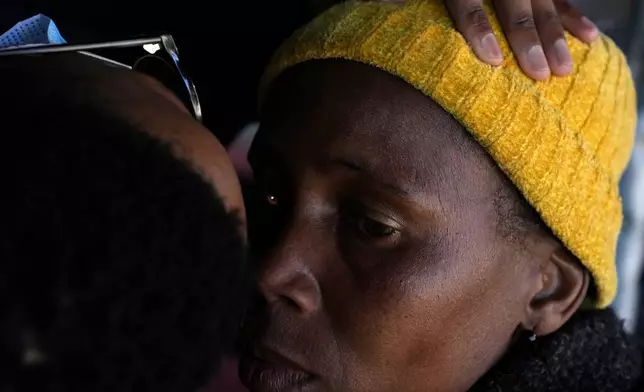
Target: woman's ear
{"x":565,"y":285}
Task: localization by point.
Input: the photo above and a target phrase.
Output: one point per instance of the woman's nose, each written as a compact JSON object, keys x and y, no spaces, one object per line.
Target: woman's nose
{"x":287,"y":276}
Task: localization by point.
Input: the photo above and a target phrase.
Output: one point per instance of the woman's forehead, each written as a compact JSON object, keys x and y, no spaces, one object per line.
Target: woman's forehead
{"x":340,"y":110}
{"x":343,"y":101}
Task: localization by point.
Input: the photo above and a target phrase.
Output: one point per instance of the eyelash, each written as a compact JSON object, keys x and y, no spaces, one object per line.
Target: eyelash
{"x":355,"y":219}
{"x":368,"y":229}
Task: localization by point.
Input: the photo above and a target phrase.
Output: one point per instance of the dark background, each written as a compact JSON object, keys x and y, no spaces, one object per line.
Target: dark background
{"x":225,"y":45}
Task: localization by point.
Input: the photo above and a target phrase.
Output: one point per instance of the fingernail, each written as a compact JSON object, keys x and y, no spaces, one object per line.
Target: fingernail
{"x":593,"y":31}
{"x":537,"y":59}
{"x":587,"y":22}
{"x":562,"y":53}
{"x":491,"y":46}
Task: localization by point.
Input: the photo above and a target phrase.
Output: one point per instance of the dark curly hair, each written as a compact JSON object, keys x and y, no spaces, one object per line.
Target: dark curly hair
{"x":120,"y":269}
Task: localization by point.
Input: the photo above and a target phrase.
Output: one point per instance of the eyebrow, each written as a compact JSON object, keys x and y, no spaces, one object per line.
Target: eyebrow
{"x":357,"y":166}
{"x":366,"y":170}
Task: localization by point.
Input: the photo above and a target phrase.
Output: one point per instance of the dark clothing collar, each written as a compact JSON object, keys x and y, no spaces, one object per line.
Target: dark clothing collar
{"x":591,"y":353}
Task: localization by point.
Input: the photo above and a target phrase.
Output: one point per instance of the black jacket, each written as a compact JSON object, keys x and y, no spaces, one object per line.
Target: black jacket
{"x":591,"y":353}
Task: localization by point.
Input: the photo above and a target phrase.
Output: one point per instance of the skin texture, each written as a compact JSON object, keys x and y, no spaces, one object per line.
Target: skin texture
{"x":534,"y":29}
{"x":143,"y":101}
{"x":383,"y":267}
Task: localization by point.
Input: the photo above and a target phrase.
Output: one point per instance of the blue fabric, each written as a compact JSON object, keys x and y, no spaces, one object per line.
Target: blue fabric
{"x":38,"y":29}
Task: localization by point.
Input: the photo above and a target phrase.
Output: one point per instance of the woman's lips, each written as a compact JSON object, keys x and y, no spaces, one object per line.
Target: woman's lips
{"x":274,"y":374}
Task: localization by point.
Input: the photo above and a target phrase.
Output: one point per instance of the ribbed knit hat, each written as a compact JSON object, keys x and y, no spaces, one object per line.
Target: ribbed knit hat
{"x":564,"y":143}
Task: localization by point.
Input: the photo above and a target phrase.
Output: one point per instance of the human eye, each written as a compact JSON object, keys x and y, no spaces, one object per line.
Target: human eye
{"x":270,"y":199}
{"x":269,"y":190}
{"x":268,"y":213}
{"x":370,"y":226}
{"x":374,"y":229}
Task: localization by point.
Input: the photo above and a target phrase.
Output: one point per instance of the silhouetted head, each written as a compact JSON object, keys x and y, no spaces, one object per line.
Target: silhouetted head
{"x":122,"y":244}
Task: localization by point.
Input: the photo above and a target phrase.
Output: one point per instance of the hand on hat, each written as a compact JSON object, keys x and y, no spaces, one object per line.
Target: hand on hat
{"x":534,"y":29}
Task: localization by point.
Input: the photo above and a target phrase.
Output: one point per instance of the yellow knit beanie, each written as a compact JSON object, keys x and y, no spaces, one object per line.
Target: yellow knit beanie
{"x":564,"y":143}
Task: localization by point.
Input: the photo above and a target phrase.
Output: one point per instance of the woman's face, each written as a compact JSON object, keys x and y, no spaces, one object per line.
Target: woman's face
{"x":383,"y":267}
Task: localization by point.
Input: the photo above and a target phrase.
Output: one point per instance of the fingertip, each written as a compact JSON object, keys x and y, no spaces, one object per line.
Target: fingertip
{"x":495,"y":62}
{"x":562,"y":70}
{"x":588,"y":23}
{"x":560,"y":60}
{"x":488,"y":50}
{"x":592,"y":35}
{"x":535,"y":63}
{"x":590,"y":31}
{"x":535,"y":74}
{"x":540,"y":75}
